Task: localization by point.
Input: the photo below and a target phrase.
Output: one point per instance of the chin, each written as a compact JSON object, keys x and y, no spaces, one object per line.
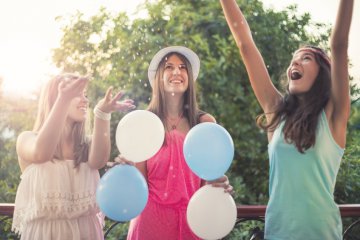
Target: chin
{"x":80,"y":119}
{"x":176,"y":91}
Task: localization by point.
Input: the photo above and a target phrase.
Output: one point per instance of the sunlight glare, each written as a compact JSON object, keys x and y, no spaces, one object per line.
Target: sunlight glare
{"x":23,"y":69}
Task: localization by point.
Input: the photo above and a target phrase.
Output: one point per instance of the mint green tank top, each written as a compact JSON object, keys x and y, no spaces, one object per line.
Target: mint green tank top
{"x":301,"y":187}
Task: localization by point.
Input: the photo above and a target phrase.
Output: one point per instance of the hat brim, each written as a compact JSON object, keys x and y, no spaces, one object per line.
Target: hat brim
{"x":186,"y":52}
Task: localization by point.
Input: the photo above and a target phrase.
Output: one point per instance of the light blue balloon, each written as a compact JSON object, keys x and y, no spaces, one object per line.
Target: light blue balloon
{"x":208,"y":150}
{"x":122,"y":193}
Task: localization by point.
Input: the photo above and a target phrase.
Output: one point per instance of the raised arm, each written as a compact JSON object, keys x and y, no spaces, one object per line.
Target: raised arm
{"x":338,"y":108}
{"x":100,"y":144}
{"x":40,"y":147}
{"x":266,"y":93}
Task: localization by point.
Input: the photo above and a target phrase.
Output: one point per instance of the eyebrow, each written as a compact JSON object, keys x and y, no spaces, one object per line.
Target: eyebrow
{"x":309,"y":53}
{"x":305,"y":52}
{"x":181,"y":64}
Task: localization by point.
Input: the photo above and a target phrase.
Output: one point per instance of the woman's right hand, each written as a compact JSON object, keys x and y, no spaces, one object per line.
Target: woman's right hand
{"x":119,"y":160}
{"x":71,"y":87}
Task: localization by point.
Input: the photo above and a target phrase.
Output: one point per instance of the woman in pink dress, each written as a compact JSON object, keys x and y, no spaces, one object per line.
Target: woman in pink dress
{"x":59,"y":163}
{"x":172,"y":74}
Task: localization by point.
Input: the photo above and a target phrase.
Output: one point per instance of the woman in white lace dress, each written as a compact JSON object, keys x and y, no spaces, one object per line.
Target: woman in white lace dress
{"x":59,"y":163}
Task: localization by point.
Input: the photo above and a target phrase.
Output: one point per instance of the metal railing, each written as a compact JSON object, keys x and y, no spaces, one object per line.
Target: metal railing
{"x":257,"y":213}
{"x":244,"y":213}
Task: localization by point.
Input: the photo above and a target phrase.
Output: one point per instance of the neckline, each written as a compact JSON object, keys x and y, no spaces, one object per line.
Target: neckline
{"x":174,"y":126}
{"x":172,"y":131}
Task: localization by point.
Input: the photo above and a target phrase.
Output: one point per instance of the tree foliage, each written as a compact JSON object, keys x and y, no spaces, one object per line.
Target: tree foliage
{"x":116,"y":51}
{"x":17,"y":116}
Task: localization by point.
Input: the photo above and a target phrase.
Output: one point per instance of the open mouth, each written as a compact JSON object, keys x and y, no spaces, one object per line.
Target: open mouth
{"x":176,"y":81}
{"x":295,"y":75}
{"x":84,"y":109}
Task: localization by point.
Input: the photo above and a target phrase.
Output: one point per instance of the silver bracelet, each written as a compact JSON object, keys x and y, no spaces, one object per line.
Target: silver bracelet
{"x":102,"y":115}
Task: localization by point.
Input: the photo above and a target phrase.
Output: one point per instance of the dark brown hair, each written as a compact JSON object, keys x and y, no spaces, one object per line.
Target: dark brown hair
{"x":301,"y":118}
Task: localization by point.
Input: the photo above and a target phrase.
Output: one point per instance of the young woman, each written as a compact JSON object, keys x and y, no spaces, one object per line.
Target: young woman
{"x":59,"y":163}
{"x":306,"y":129}
{"x":172,"y":74}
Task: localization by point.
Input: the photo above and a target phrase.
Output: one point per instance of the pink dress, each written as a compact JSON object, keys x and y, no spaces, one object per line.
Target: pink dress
{"x":171,"y":185}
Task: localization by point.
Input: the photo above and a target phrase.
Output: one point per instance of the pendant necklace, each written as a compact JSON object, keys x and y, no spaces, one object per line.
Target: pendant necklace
{"x":175,"y":124}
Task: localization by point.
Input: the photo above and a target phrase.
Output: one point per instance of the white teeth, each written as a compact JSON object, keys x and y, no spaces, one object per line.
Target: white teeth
{"x":175,"y":81}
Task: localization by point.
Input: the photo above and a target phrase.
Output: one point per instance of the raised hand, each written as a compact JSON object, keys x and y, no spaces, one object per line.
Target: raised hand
{"x":110,"y":104}
{"x":71,"y":87}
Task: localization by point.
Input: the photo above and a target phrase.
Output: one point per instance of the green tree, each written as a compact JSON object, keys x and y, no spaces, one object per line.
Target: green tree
{"x":16,"y":116}
{"x":116,"y":51}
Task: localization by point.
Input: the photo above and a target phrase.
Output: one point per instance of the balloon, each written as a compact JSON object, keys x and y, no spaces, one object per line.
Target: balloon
{"x":139,"y":135}
{"x":122,"y":193}
{"x":211,"y":213}
{"x":208,"y":150}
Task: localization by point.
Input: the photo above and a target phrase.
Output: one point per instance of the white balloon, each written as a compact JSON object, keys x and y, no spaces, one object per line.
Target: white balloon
{"x":211,"y":213}
{"x":139,"y":135}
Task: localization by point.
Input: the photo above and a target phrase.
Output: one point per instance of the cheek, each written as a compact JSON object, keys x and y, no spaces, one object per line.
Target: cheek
{"x":165,"y":77}
{"x":185,"y":76}
{"x":288,"y":73}
{"x":187,"y":82}
{"x":313,"y":77}
{"x":75,"y":100}
{"x":315,"y":69}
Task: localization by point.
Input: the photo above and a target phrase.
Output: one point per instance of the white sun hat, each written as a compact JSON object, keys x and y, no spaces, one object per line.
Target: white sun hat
{"x":186,"y":52}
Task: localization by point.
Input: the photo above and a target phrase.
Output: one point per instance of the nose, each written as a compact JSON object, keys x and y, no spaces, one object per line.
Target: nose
{"x":176,"y":71}
{"x":295,"y":62}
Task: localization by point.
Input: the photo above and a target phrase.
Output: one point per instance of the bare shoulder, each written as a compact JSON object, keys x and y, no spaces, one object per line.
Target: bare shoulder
{"x":23,"y":144}
{"x":26,"y":136}
{"x":207,"y":118}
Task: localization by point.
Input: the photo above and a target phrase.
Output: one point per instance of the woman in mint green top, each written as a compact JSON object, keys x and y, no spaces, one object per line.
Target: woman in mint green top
{"x":301,"y":204}
{"x":306,"y":129}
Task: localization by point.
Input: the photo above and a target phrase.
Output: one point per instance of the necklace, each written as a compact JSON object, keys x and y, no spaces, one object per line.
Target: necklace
{"x":174,"y":122}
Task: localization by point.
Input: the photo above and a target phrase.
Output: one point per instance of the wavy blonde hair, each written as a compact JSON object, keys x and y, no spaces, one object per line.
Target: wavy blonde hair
{"x":78,"y":130}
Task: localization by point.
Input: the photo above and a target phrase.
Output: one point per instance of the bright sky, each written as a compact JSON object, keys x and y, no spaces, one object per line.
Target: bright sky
{"x":29,"y":32}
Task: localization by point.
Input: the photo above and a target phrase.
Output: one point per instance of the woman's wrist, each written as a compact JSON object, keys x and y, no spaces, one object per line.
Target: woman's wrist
{"x":101,"y":114}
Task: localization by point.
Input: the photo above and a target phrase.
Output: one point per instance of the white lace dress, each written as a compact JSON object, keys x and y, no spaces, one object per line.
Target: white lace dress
{"x":56,"y":201}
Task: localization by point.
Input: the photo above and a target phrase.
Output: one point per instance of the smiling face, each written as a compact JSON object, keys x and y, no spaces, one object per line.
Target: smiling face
{"x":175,"y":75}
{"x":78,"y":108}
{"x":302,"y":72}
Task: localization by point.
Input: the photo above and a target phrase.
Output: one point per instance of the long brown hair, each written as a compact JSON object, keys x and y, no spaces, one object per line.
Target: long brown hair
{"x":47,"y":99}
{"x":157,"y":104}
{"x":301,"y":118}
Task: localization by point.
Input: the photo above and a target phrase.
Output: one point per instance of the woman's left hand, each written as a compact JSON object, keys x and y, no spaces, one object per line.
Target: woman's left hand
{"x":222,"y":182}
{"x":119,"y":160}
{"x":110,"y":104}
